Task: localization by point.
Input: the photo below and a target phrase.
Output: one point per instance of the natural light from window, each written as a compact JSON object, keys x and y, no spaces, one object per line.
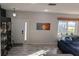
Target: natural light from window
{"x":66,"y":27}
{"x":25,"y":36}
{"x":39,"y":53}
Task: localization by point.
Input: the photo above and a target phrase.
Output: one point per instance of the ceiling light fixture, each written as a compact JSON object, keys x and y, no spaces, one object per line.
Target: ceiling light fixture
{"x":14,"y":13}
{"x":46,"y":10}
{"x":52,"y":4}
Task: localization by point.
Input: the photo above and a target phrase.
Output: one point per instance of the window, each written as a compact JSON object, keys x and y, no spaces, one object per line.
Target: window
{"x":71,"y":27}
{"x":68,"y":27}
{"x":25,"y":37}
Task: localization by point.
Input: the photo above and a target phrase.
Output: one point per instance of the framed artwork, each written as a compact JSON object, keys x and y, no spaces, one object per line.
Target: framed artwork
{"x":43,"y":26}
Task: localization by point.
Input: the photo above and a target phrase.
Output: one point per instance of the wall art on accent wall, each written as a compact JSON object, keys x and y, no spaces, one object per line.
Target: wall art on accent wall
{"x":43,"y":26}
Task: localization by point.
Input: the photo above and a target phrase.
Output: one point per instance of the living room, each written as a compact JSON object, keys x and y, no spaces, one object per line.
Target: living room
{"x":29,"y":22}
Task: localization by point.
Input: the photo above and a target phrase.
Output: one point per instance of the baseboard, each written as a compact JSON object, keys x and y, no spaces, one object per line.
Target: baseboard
{"x":17,"y":44}
{"x":53,"y":44}
{"x":20,"y":44}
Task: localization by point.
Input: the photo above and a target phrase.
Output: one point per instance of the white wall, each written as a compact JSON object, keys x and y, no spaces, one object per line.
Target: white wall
{"x":35,"y":36}
{"x":41,"y":36}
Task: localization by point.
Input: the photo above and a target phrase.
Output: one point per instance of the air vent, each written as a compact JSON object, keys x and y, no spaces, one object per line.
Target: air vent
{"x":52,"y":4}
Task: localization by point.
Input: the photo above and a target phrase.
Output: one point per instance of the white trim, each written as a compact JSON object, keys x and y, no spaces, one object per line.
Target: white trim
{"x":53,"y":43}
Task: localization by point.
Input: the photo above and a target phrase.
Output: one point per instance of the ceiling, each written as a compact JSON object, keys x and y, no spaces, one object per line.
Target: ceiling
{"x":68,"y":8}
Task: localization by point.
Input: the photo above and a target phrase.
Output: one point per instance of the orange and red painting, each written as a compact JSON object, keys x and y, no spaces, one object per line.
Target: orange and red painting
{"x":43,"y":26}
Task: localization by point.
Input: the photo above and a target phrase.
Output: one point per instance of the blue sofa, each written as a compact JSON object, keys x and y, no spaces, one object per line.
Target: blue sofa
{"x":69,"y":44}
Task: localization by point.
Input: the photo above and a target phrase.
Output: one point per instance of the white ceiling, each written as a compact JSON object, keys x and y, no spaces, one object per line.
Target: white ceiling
{"x":68,"y":8}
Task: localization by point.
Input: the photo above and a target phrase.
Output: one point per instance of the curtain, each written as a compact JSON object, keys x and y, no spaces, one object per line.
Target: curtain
{"x":68,"y":19}
{"x":63,"y":18}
